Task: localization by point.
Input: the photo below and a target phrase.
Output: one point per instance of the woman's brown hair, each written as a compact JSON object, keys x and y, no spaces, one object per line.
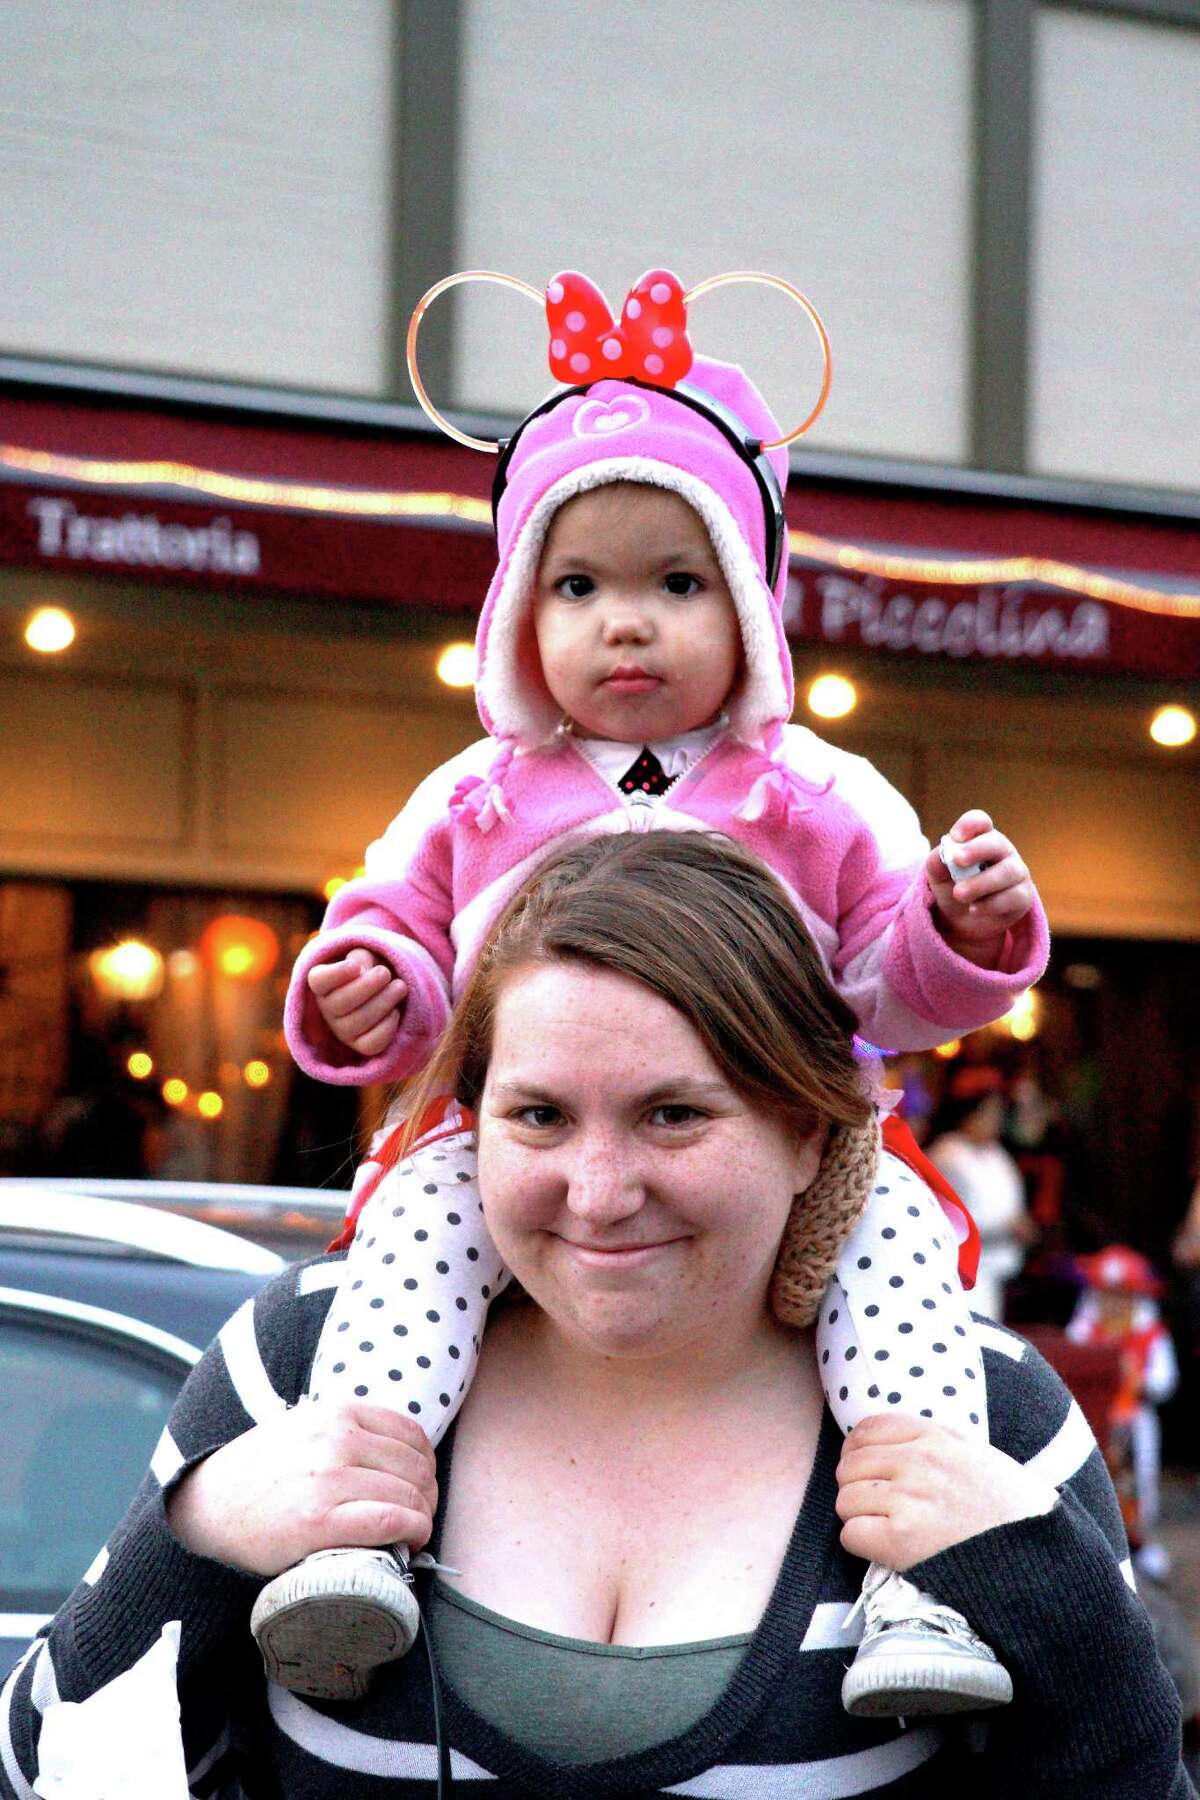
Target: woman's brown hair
{"x":702,"y":923}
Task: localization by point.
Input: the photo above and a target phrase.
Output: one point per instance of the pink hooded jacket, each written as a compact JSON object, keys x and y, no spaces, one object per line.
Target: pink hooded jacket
{"x":845,"y":844}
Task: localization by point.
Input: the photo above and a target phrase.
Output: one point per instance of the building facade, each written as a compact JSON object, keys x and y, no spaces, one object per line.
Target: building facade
{"x":220,"y":220}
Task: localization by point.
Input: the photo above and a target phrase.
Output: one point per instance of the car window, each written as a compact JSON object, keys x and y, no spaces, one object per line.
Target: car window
{"x":80,"y":1414}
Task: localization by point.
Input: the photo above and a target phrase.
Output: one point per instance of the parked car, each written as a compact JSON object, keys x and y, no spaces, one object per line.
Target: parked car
{"x":105,"y":1305}
{"x":296,"y":1222}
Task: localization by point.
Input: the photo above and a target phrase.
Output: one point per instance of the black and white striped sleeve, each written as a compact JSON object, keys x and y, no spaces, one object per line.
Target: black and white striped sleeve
{"x":256,"y":1366}
{"x":1094,"y":1711}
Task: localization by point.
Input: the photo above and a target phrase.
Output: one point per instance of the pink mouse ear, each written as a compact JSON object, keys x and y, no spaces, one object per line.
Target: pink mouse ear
{"x":583,"y":344}
{"x":654,"y":326}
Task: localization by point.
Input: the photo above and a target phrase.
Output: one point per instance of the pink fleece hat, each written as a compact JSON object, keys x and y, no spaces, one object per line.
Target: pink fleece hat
{"x":620,"y":431}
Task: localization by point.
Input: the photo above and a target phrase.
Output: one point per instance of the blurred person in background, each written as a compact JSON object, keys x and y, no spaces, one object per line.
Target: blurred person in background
{"x":965,"y":1145}
{"x":1119,"y":1305}
{"x":1033,"y":1133}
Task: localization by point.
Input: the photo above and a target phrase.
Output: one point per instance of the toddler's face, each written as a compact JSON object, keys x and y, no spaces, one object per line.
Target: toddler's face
{"x":636,"y":629}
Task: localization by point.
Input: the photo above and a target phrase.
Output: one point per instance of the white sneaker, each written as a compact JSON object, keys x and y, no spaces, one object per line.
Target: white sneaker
{"x":918,"y":1656}
{"x":326,"y":1625}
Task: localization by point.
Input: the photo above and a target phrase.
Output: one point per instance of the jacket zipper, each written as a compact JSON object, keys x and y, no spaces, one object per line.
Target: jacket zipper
{"x":640,"y":807}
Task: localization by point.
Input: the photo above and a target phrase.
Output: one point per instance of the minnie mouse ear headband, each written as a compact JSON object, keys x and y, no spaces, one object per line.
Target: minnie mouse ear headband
{"x":648,"y":349}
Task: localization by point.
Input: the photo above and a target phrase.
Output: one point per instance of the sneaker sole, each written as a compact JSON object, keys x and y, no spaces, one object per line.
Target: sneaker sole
{"x":327,"y":1645}
{"x":876,"y":1690}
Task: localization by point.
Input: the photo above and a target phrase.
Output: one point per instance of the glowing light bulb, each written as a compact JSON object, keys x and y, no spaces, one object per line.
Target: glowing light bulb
{"x":1173,"y":726}
{"x":140,"y":1065}
{"x":333,"y":886}
{"x":174,"y":1092}
{"x":256,"y":1074}
{"x":130,"y":970}
{"x":49,"y":629}
{"x":242,"y":948}
{"x":948,"y":1050}
{"x":1022,"y":1016}
{"x":456,"y":665}
{"x":209,"y":1104}
{"x":832,"y":697}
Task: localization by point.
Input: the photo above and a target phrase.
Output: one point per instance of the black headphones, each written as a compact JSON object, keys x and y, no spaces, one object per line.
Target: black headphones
{"x":728,"y":424}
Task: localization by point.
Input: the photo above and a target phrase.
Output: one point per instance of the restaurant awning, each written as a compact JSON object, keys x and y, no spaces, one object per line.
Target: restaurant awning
{"x":372,"y":506}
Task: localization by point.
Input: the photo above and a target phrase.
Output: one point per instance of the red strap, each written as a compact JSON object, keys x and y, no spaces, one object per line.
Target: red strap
{"x":900,"y":1141}
{"x":433,"y":1125}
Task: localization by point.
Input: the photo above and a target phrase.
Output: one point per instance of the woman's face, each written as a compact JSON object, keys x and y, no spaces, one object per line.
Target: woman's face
{"x":635,"y":1195}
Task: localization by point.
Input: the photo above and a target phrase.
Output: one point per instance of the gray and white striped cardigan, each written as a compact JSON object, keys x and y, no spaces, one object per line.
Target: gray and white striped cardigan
{"x":1094,"y":1714}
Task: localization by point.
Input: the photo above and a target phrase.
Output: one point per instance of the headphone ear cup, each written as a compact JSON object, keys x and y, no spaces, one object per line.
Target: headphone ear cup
{"x":752,"y":453}
{"x":776,"y":517}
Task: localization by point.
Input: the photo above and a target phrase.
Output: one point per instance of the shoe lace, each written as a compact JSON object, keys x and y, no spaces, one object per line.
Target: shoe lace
{"x":423,"y":1560}
{"x":892,"y":1602}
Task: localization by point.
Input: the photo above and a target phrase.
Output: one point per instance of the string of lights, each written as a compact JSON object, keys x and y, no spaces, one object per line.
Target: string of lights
{"x":233,"y":947}
{"x":246,"y":490}
{"x":385,"y":503}
{"x":984,"y":571}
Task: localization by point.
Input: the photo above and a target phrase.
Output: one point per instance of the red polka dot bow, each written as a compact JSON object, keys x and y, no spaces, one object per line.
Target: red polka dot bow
{"x":650,"y":344}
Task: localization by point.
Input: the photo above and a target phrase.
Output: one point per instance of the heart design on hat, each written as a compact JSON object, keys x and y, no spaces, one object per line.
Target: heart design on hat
{"x":604,"y":418}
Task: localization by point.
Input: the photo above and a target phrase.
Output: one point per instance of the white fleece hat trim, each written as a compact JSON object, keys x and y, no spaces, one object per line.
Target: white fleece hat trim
{"x":762,"y":697}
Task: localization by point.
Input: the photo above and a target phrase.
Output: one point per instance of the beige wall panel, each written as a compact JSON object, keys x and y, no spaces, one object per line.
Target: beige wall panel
{"x":90,"y":763}
{"x":1114,"y":850}
{"x":829,"y":143}
{"x":198,"y":185}
{"x":311,"y":780}
{"x":1115,"y":386}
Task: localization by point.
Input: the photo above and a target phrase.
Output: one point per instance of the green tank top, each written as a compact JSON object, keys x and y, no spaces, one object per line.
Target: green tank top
{"x":569,"y":1700}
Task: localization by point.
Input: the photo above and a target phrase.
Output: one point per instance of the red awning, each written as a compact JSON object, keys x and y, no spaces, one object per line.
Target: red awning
{"x":250,"y":504}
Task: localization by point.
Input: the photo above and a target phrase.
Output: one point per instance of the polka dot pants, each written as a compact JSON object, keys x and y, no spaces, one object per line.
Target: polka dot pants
{"x":405,"y":1324}
{"x":894,"y":1331}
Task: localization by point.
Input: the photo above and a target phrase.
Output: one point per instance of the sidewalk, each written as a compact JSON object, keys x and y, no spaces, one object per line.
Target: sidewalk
{"x":1175,"y":1607}
{"x":1179,"y":1531}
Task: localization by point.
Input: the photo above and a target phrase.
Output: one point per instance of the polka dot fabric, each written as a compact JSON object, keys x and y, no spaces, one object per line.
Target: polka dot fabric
{"x":894,"y":1332}
{"x":406,"y":1321}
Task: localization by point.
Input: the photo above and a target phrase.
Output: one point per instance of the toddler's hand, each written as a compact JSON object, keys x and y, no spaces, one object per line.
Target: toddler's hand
{"x":360,"y":1000}
{"x":908,"y":1488}
{"x":975,"y":915}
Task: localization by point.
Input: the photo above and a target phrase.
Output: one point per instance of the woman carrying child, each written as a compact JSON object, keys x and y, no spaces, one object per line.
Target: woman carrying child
{"x":646,"y":1522}
{"x":634,"y":675}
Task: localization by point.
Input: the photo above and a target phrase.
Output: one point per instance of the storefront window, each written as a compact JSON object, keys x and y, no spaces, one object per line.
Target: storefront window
{"x":142,"y":1037}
